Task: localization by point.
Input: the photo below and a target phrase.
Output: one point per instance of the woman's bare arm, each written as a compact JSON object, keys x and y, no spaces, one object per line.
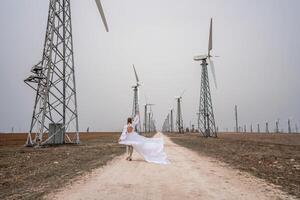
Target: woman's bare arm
{"x":136,"y":120}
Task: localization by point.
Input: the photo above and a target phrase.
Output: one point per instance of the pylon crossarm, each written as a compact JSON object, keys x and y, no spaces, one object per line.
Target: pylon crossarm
{"x":34,"y":88}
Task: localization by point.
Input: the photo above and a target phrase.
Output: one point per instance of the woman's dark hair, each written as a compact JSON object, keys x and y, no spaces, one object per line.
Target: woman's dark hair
{"x":129,"y":120}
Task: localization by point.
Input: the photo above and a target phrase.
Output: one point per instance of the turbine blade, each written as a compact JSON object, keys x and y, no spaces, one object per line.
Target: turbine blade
{"x":136,"y":76}
{"x":210,"y":38}
{"x":212,"y":67}
{"x":100,"y":8}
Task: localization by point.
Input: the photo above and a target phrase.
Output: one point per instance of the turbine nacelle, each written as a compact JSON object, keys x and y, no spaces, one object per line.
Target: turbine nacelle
{"x":200,"y":57}
{"x":136,"y":86}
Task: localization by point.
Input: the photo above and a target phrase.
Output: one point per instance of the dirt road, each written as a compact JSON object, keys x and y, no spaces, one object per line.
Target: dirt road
{"x":188,"y":176}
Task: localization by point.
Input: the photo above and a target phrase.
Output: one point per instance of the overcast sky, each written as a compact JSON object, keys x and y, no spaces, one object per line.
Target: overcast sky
{"x":258,"y":69}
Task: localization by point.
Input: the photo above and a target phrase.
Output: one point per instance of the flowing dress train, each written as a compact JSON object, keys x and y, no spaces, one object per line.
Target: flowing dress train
{"x":152,"y":149}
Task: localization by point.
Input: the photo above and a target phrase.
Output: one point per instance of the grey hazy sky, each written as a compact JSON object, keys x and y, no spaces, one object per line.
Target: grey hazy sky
{"x":258,"y":41}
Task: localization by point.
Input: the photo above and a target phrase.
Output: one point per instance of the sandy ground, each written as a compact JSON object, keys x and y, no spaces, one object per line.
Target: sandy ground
{"x":188,"y":176}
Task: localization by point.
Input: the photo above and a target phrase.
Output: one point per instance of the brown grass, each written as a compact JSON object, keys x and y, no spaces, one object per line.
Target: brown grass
{"x":30,"y":173}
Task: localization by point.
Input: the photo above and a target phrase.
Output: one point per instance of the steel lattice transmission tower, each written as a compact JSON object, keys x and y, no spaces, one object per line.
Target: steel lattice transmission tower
{"x":289,"y":126}
{"x":135,"y":107}
{"x":147,"y":116}
{"x":150,"y":123}
{"x":165,"y":126}
{"x":53,"y":79}
{"x":267,"y":127}
{"x":179,"y":118}
{"x":206,"y":120}
{"x":277,"y":126}
{"x":168,"y":123}
{"x":171,"y":121}
{"x":236,"y":119}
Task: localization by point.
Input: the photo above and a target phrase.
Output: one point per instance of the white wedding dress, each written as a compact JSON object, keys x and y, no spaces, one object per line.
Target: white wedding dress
{"x":152,"y":149}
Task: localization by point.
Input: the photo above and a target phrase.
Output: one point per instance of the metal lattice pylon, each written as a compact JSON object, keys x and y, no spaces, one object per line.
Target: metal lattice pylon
{"x":53,"y":80}
{"x":206,"y":120}
{"x":179,"y":120}
{"x":171,"y":121}
{"x":135,"y":106}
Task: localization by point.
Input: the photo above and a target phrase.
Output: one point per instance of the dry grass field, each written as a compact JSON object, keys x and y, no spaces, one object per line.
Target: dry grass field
{"x":30,"y":173}
{"x":273,"y":157}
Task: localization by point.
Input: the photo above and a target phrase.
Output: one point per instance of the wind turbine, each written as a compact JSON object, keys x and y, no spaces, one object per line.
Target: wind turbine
{"x":53,"y":80}
{"x":171,"y":120}
{"x":236,"y":119}
{"x":267,"y":127}
{"x":147,"y":116}
{"x":206,"y":120}
{"x":164,"y":126}
{"x":289,"y":125}
{"x":135,"y":107}
{"x":150,"y":118}
{"x":179,"y":120}
{"x":168,"y":122}
{"x":277,"y":126}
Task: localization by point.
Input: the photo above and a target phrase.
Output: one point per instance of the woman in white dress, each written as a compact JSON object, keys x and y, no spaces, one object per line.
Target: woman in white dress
{"x":152,"y":149}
